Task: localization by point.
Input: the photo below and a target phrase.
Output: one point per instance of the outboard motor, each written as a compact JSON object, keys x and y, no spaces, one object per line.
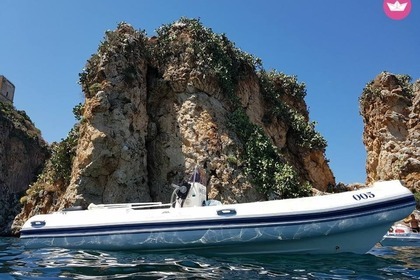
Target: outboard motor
{"x":196,"y":196}
{"x":192,"y":193}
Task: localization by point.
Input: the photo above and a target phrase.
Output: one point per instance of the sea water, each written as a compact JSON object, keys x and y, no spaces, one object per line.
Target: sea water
{"x":17,"y":262}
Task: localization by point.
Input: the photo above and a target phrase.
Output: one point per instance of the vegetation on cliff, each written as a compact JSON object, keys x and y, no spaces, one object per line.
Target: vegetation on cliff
{"x":210,"y":53}
{"x":373,"y":89}
{"x":20,"y":120}
{"x":277,"y":88}
{"x":55,"y":177}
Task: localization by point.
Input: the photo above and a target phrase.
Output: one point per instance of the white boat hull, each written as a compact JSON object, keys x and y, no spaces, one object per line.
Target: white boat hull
{"x":347,"y":222}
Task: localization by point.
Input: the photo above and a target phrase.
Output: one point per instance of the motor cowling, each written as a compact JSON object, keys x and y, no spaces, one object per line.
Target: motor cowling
{"x":196,"y":196}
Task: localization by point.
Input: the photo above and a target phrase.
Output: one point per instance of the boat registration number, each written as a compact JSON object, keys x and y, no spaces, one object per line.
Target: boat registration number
{"x":363,"y":196}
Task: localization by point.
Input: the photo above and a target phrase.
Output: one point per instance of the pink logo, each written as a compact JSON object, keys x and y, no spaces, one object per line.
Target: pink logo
{"x":397,"y":9}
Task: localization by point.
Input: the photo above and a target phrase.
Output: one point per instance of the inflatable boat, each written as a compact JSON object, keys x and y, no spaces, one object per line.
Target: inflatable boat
{"x":401,"y":235}
{"x":352,"y":221}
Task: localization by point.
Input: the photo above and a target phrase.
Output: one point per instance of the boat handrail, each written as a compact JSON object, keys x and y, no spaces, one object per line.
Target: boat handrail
{"x":140,"y":205}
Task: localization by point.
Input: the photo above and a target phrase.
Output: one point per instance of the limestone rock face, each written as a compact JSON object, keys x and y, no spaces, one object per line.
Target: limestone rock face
{"x":157,"y":107}
{"x":22,"y":156}
{"x":111,"y":158}
{"x":390,"y":107}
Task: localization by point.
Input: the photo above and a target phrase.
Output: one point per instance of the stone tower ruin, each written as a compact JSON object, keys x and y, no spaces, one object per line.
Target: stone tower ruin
{"x":7,"y":90}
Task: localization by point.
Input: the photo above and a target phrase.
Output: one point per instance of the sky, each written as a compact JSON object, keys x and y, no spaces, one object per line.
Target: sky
{"x":334,"y":47}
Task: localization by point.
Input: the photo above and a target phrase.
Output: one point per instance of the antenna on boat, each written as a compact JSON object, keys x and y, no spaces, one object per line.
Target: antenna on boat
{"x":196,"y":175}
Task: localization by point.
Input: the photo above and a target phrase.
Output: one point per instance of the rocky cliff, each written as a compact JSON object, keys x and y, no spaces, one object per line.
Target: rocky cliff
{"x":155,"y":107}
{"x":22,"y":156}
{"x":390,"y":107}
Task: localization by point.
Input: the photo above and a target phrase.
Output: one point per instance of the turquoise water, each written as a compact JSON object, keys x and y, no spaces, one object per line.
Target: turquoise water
{"x":16,"y":262}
